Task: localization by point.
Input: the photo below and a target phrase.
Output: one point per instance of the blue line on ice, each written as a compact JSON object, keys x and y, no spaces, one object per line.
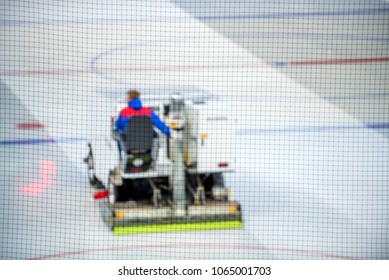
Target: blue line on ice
{"x":313,"y":129}
{"x":12,"y":22}
{"x":297,"y":15}
{"x":40,"y":141}
{"x":239,"y":131}
{"x":317,"y":36}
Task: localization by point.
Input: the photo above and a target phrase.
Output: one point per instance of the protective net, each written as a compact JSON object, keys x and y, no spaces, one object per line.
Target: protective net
{"x":270,"y":129}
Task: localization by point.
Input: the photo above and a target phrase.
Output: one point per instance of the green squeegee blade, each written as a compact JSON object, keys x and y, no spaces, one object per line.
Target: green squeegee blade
{"x":158,"y":228}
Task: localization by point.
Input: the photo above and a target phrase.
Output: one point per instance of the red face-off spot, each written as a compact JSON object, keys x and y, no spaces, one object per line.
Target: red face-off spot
{"x":30,"y":126}
{"x":43,"y":180}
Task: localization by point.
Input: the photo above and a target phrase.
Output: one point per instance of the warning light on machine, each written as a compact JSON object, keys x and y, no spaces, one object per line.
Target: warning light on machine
{"x":119,"y":215}
{"x":101,"y":194}
{"x":173,"y":125}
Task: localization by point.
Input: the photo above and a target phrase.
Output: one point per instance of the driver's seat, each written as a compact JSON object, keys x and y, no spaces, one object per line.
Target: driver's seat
{"x":137,"y":142}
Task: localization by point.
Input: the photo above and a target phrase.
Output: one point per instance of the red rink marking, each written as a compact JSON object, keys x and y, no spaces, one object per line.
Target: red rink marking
{"x":206,"y":246}
{"x":62,"y":72}
{"x":341,"y":61}
{"x":44,"y":180}
{"x":30,"y":126}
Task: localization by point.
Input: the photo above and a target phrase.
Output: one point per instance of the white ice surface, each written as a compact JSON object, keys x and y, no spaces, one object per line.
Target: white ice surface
{"x":311,"y":179}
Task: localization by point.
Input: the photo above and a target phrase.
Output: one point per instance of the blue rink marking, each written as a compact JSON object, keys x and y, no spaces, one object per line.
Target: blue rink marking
{"x":125,"y":84}
{"x":348,"y":97}
{"x":296,"y":15}
{"x":378,"y":126}
{"x":312,"y":36}
{"x":40,"y":141}
{"x":375,"y":126}
{"x":96,"y":21}
{"x":95,"y":60}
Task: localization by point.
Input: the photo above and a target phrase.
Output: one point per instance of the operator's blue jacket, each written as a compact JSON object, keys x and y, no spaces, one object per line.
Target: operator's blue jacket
{"x":135,"y":109}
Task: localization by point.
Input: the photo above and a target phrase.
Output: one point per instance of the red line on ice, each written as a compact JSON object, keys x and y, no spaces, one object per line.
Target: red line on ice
{"x":340,"y":61}
{"x":208,"y":246}
{"x":61,"y":72}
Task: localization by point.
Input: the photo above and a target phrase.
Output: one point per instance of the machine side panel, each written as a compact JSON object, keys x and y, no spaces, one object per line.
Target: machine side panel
{"x":215,"y":142}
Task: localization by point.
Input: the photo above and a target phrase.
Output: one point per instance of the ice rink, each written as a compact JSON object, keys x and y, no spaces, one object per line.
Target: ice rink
{"x":307,"y":81}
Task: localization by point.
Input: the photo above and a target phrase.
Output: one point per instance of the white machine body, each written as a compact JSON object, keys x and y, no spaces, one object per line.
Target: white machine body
{"x":209,"y":138}
{"x":208,"y":133}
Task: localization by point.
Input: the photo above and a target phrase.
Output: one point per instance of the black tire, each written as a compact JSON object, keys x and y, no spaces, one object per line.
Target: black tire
{"x":89,"y":160}
{"x":92,"y":177}
{"x":213,"y":180}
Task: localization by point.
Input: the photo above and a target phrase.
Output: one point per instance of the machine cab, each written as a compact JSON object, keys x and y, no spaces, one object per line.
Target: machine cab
{"x":137,"y":144}
{"x":142,"y":149}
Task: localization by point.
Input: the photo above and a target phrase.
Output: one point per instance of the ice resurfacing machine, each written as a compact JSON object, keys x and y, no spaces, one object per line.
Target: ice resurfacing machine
{"x":154,"y":184}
